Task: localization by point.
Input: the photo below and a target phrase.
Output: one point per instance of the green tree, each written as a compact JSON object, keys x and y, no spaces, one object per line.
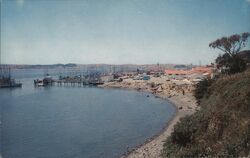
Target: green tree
{"x":231,"y":46}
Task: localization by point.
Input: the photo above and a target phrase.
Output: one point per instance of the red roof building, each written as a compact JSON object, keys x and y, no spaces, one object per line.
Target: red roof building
{"x":176,"y":72}
{"x":200,"y":70}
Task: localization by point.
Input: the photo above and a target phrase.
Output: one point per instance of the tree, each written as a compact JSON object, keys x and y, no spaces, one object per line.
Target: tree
{"x":231,"y":46}
{"x":230,"y":64}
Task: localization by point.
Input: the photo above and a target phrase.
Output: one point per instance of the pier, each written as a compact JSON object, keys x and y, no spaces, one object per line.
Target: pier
{"x":79,"y":80}
{"x":69,"y":81}
{"x":76,"y":83}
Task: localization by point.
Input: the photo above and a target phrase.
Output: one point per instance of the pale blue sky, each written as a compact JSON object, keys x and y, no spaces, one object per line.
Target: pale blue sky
{"x":117,"y":31}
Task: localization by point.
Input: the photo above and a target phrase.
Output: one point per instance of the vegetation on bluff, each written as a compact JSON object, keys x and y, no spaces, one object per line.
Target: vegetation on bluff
{"x":201,"y":89}
{"x":221,"y":127}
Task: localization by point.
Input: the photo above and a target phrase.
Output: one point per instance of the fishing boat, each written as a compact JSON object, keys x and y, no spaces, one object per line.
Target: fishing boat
{"x":38,"y":83}
{"x":46,"y":81}
{"x":8,"y":82}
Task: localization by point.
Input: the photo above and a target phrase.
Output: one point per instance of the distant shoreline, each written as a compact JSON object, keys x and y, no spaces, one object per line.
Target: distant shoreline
{"x":152,"y":147}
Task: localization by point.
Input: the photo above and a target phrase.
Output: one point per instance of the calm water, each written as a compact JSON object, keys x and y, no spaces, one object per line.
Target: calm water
{"x":77,"y":122}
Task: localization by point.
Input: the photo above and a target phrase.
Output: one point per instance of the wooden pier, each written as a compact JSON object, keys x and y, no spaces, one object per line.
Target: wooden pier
{"x":70,"y":81}
{"x":76,"y":83}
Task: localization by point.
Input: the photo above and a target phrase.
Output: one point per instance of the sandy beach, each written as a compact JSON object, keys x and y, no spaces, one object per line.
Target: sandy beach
{"x":177,"y":92}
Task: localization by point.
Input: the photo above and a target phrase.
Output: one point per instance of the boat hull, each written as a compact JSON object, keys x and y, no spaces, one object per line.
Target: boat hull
{"x":11,"y":85}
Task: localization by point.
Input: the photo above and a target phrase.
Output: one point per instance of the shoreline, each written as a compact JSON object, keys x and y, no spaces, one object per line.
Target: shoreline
{"x":152,"y":147}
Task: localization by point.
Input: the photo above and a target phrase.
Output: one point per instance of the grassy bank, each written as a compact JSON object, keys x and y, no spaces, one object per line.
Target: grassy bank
{"x":221,"y":127}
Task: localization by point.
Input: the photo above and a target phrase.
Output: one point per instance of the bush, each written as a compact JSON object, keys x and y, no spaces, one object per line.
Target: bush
{"x":231,"y":64}
{"x":182,"y":134}
{"x":182,"y":138}
{"x":237,"y":65}
{"x":201,"y":88}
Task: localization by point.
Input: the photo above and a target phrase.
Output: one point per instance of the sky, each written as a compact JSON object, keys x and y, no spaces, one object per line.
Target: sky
{"x":118,"y":31}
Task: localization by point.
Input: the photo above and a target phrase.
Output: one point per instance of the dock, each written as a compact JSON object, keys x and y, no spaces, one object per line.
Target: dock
{"x":76,"y":83}
{"x":92,"y":80}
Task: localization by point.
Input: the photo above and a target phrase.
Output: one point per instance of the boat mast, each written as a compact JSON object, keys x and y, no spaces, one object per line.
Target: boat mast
{"x":9,"y":72}
{"x":0,"y":37}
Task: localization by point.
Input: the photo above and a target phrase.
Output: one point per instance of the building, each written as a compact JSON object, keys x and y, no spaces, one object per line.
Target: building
{"x":191,"y":74}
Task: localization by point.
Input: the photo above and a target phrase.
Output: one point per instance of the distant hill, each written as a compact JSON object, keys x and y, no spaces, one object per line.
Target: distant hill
{"x":52,"y":66}
{"x":97,"y":67}
{"x":221,"y":128}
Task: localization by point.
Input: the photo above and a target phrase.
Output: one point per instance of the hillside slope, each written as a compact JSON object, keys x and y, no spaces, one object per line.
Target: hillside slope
{"x":221,"y":127}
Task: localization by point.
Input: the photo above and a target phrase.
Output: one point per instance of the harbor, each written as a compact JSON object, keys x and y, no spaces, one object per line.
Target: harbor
{"x":94,"y":77}
{"x":49,"y":119}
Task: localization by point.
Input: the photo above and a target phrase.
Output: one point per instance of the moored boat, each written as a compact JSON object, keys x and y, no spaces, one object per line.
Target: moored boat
{"x":6,"y":81}
{"x":9,"y":83}
{"x":47,"y":80}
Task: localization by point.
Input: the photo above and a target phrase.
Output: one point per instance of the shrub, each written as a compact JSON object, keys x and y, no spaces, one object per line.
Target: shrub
{"x":231,"y":64}
{"x":182,"y":134}
{"x":201,"y":88}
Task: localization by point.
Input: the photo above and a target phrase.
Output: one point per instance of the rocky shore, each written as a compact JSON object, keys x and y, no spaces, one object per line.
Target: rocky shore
{"x":177,"y":92}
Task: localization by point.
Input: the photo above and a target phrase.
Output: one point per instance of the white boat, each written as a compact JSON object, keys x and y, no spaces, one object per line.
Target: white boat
{"x":39,"y":83}
{"x":44,"y":82}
